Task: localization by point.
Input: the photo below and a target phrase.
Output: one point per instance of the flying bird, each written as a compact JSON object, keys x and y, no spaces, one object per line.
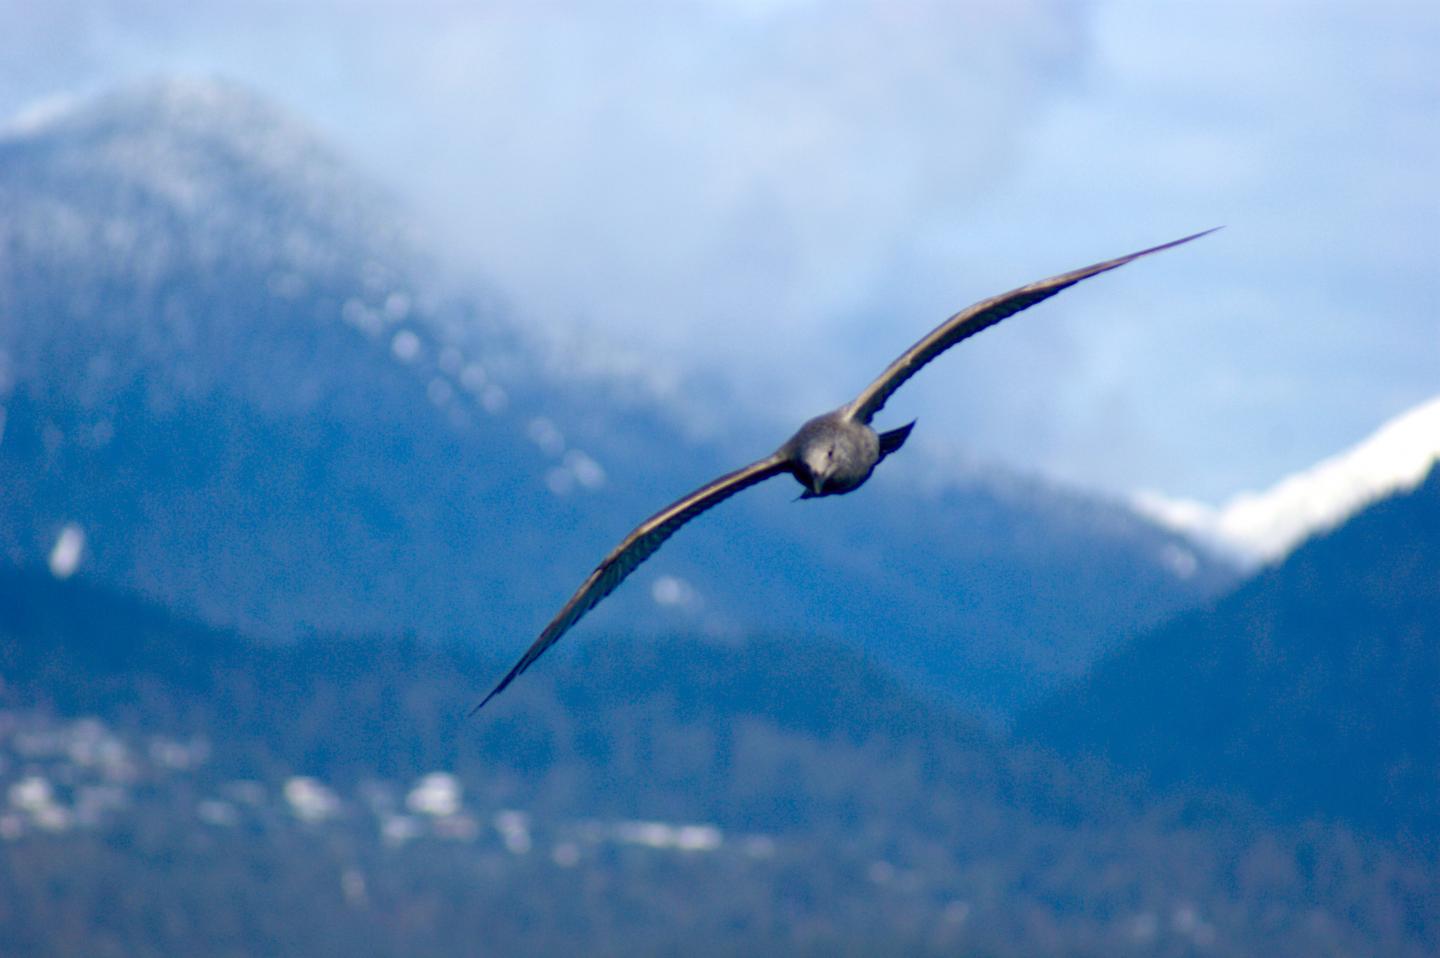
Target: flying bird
{"x":830,"y":455}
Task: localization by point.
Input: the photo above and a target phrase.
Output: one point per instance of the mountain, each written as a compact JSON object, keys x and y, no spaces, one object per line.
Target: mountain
{"x":232,"y":383}
{"x":171,"y":788}
{"x":1265,"y":526}
{"x":1312,"y":688}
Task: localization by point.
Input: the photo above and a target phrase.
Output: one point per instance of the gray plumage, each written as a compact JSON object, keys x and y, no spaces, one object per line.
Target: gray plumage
{"x":830,"y":455}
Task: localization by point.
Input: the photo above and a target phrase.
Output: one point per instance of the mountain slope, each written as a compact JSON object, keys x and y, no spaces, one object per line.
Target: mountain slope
{"x":1315,"y":688}
{"x":228,"y":370}
{"x":174,"y":789}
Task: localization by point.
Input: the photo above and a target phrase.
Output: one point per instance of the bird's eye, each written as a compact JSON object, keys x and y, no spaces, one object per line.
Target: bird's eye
{"x":829,"y":453}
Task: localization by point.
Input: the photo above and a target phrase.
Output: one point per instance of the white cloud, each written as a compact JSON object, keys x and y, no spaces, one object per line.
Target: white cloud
{"x":1310,"y":132}
{"x":694,"y":180}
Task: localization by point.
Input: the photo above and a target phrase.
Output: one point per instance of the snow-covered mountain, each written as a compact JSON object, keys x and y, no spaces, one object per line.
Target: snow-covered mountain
{"x":230,"y":382}
{"x":1311,"y":687}
{"x":1262,"y":527}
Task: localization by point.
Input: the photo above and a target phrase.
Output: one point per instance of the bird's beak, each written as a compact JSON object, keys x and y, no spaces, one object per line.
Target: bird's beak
{"x":815,"y":486}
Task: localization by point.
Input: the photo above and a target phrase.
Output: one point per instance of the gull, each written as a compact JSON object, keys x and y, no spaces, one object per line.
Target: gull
{"x":830,"y":455}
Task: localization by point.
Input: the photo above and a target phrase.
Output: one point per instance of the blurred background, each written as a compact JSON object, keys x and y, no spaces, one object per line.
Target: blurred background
{"x":338,"y":341}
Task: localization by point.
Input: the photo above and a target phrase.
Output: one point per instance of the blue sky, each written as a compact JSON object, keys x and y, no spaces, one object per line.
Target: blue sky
{"x":786,"y":193}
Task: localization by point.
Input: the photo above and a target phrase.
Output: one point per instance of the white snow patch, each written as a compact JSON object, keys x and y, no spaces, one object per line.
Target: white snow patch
{"x":310,"y":800}
{"x":697,"y":838}
{"x":672,"y":591}
{"x":661,"y":835}
{"x":1261,"y":527}
{"x":436,"y":795}
{"x":52,"y":818}
{"x":586,"y":470}
{"x":576,"y":469}
{"x":31,"y":793}
{"x":405,"y":345}
{"x":399,"y":829}
{"x":65,"y":555}
{"x":546,"y":435}
{"x":514,"y":829}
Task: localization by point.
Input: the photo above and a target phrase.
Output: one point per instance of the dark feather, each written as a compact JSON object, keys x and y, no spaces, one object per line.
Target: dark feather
{"x":972,"y":320}
{"x":635,"y":549}
{"x":893,"y":440}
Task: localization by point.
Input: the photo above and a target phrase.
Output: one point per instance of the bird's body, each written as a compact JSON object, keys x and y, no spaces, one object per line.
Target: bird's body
{"x":829,"y":455}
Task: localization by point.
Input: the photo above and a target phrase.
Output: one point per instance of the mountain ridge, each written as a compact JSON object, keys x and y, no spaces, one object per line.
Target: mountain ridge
{"x":212,"y":777}
{"x":1263,"y":527}
{"x":1311,"y":688}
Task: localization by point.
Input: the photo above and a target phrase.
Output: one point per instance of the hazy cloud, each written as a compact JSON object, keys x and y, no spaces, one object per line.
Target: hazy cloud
{"x":786,"y":193}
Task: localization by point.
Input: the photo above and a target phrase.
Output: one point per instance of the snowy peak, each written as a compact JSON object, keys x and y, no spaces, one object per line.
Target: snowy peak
{"x":170,"y":168}
{"x":165,"y":132}
{"x":1264,"y":526}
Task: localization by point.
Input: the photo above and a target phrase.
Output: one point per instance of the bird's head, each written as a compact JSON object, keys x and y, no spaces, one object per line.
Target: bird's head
{"x":819,"y":463}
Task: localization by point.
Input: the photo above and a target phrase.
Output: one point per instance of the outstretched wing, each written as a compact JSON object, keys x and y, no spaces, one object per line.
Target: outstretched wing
{"x":637,"y":547}
{"x":970,"y":321}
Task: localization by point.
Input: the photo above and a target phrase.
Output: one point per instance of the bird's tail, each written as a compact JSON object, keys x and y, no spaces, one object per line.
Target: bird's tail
{"x":894,"y":439}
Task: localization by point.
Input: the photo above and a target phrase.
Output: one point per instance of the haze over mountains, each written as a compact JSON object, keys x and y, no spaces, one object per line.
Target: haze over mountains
{"x":231,"y":372}
{"x":275,"y":507}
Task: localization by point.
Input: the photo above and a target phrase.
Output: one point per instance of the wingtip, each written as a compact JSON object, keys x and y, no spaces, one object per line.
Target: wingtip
{"x":493,"y":692}
{"x":1181,"y":241}
{"x":1112,"y":264}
